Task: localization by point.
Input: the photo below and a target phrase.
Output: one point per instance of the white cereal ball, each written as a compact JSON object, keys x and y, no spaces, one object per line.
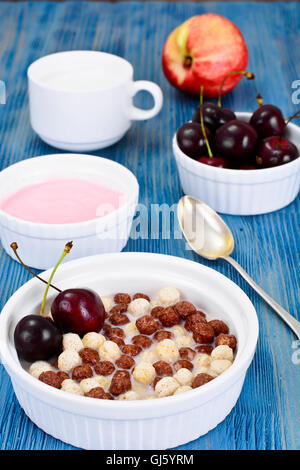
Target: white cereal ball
{"x":138,"y":388}
{"x":130,"y":329}
{"x":129,"y":396}
{"x":68,"y":359}
{"x":38,"y":367}
{"x":169,"y":296}
{"x":167,"y":350}
{"x":202,"y":360}
{"x":102,"y":381}
{"x":184,"y":388}
{"x":71,"y":386}
{"x":144,"y":373}
{"x":72,"y":341}
{"x":184,"y":376}
{"x":107,"y":303}
{"x":149,"y":397}
{"x":222,"y":352}
{"x":220,"y":365}
{"x":93,"y":340}
{"x":179,"y":330}
{"x":203,"y":370}
{"x":166,"y":386}
{"x":109,"y":351}
{"x":88,"y":384}
{"x":184,"y":341}
{"x":139,"y":307}
{"x":148,"y":356}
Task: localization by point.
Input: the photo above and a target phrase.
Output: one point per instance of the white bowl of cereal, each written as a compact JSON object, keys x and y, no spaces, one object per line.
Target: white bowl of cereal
{"x":146,"y":412}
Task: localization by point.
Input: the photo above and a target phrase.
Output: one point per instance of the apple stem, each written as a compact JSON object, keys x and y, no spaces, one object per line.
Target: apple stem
{"x":210,"y":154}
{"x":259,"y":100}
{"x":248,"y":75}
{"x":14,"y":247}
{"x":67,"y":249}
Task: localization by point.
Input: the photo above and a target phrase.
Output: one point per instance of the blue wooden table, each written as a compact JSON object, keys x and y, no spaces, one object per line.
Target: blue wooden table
{"x":267,"y":415}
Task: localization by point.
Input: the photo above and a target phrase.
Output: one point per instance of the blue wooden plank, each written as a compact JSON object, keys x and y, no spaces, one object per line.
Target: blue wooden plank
{"x":267,"y":413}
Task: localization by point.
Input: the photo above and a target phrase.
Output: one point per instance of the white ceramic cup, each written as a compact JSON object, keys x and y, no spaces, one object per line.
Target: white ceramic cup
{"x":82,"y":100}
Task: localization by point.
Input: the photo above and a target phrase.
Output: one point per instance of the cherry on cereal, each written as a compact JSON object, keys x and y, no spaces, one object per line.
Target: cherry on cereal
{"x":118,"y":319}
{"x":119,"y":308}
{"x":184,"y":308}
{"x":228,"y":340}
{"x":98,"y":392}
{"x":162,"y":368}
{"x":139,"y":295}
{"x":104,"y":368}
{"x":156,"y":311}
{"x":204,"y":348}
{"x":203,"y":333}
{"x":89,"y":356}
{"x":183,"y":363}
{"x":194,"y":319}
{"x":142,"y":341}
{"x":162,"y":334}
{"x":131,"y":349}
{"x":169,"y":317}
{"x":82,"y":372}
{"x":201,"y":379}
{"x":219,"y":327}
{"x":125,"y":362}
{"x":50,"y":378}
{"x":187,"y":353}
{"x":120,"y":382}
{"x":146,"y":325}
{"x":122,"y":298}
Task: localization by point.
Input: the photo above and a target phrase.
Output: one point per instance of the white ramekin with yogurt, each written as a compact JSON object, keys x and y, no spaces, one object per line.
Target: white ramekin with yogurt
{"x":39,"y":243}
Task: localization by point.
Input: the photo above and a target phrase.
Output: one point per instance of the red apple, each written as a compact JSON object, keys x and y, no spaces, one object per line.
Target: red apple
{"x":202,"y":51}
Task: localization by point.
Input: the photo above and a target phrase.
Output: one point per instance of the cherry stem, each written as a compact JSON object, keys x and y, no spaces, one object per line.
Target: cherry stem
{"x":67,"y":249}
{"x":292,"y":117}
{"x":14,"y":247}
{"x":248,"y":75}
{"x":210,"y":154}
{"x":259,"y":100}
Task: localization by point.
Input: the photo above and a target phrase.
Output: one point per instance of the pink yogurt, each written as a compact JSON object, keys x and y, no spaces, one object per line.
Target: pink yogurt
{"x":62,"y":201}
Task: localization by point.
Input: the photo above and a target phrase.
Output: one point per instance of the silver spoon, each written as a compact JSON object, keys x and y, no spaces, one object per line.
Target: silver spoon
{"x":209,"y":236}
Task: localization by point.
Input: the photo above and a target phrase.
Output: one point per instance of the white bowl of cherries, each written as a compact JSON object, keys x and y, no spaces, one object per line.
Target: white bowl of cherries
{"x":248,"y":164}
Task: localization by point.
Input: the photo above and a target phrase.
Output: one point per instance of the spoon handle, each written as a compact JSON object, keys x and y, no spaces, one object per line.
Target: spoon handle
{"x":289,"y":319}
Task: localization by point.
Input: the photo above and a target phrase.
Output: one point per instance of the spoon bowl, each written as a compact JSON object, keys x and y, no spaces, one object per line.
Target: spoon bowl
{"x":205,"y":231}
{"x":209,"y":236}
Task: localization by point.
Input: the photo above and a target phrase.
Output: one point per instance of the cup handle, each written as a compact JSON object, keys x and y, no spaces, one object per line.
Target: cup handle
{"x":137,"y":114}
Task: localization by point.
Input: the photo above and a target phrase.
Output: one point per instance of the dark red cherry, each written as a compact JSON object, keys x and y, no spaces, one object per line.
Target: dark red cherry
{"x":78,"y":311}
{"x":37,"y":338}
{"x":267,"y":120}
{"x":236,"y":140}
{"x":274,"y":151}
{"x":247,"y":166}
{"x":218,"y":162}
{"x":191,"y":141}
{"x":214,"y":116}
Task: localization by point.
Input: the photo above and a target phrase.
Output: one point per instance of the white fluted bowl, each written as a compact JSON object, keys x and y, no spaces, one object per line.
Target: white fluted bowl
{"x":142,"y":424}
{"x":41,"y":244}
{"x":241,"y":192}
